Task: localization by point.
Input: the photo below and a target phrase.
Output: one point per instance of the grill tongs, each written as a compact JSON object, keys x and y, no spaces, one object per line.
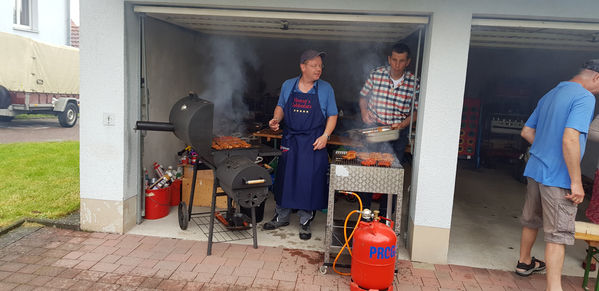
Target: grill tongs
{"x":375,"y":134}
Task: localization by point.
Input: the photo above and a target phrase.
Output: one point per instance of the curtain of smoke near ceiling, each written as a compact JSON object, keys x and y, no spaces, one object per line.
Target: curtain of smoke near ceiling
{"x":229,"y":60}
{"x":232,"y":62}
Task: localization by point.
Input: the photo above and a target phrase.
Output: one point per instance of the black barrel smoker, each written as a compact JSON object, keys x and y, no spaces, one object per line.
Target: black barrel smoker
{"x":243,"y":181}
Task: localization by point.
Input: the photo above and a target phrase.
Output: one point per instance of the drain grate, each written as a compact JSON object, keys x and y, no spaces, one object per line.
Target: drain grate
{"x":220,"y":232}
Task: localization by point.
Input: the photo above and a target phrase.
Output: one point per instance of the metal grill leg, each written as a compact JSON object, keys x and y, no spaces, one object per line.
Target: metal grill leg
{"x":212,"y":212}
{"x":389,"y":209}
{"x":230,"y":210}
{"x":397,"y":226}
{"x":193,"y":190}
{"x":329,"y":227}
{"x":254,"y":227}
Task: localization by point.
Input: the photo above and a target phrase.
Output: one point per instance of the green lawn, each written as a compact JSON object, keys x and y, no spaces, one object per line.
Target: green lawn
{"x":38,"y":180}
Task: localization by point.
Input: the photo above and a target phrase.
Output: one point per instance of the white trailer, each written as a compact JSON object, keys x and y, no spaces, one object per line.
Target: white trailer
{"x":37,"y":77}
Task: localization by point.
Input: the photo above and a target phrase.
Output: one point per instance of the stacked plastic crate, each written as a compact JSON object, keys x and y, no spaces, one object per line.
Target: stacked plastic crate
{"x":469,"y":129}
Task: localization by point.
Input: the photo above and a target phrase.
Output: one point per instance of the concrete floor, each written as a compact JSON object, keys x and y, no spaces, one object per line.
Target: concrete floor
{"x":485,"y":230}
{"x":485,"y":227}
{"x":287,"y":237}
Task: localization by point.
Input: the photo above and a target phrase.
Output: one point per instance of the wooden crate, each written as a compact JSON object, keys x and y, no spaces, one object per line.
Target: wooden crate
{"x":203,"y":191}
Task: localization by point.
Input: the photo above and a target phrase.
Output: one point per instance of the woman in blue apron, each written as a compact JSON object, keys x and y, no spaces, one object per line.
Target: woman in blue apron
{"x":301,"y":179}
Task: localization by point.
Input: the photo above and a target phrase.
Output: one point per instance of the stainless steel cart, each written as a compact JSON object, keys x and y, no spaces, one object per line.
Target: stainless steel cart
{"x":351,"y":176}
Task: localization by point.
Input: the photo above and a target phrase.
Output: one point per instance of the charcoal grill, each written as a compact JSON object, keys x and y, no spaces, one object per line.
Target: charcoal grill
{"x":350,"y":175}
{"x":244,"y":182}
{"x":339,"y":160}
{"x":245,"y":179}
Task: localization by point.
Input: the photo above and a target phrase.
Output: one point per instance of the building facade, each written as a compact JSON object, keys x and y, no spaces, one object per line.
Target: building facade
{"x":47,"y":21}
{"x":110,"y":88}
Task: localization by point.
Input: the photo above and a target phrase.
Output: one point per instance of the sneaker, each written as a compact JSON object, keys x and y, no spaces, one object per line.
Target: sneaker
{"x":528,"y":269}
{"x":305,"y":232}
{"x":274,"y":223}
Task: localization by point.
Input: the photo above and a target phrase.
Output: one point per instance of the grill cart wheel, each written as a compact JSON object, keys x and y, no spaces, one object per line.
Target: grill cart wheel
{"x":323,"y":269}
{"x":68,"y":117}
{"x":183,"y":215}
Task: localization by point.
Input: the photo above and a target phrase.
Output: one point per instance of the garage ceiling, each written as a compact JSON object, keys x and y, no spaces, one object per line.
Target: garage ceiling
{"x":575,"y":36}
{"x":313,"y":26}
{"x":505,"y":33}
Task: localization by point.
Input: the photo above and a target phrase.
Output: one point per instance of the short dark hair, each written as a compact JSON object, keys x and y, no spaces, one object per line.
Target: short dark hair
{"x":592,"y":65}
{"x":400,"y":48}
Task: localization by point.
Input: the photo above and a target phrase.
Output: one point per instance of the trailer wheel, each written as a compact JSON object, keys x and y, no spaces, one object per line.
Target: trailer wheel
{"x":4,"y":98}
{"x":68,"y":117}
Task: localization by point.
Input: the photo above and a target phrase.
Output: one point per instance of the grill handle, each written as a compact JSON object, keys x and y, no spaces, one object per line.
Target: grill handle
{"x":154,"y":126}
{"x":254,"y":182}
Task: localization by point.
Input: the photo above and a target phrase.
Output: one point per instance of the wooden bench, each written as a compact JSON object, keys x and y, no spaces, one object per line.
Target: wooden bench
{"x":589,"y":232}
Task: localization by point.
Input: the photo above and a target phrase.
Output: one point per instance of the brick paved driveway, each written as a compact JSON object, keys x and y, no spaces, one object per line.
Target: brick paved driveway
{"x":54,"y":259}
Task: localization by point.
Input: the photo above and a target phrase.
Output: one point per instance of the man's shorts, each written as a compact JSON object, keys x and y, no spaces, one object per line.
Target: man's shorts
{"x":546,"y":206}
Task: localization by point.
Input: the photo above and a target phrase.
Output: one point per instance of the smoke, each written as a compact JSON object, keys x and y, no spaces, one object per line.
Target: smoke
{"x":356,"y":60}
{"x":229,"y":59}
{"x":359,"y":58}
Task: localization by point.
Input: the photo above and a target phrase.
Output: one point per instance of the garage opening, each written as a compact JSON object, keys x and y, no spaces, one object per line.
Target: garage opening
{"x":238,"y":59}
{"x":511,"y":65}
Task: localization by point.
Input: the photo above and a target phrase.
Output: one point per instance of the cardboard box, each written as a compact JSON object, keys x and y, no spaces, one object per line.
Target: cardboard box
{"x":203,"y":189}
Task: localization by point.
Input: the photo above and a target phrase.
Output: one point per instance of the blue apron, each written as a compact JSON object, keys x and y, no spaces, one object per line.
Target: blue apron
{"x":301,"y":173}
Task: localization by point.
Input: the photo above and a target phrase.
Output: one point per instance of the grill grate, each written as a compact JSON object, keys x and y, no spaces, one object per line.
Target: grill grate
{"x":220,"y":233}
{"x":339,"y":160}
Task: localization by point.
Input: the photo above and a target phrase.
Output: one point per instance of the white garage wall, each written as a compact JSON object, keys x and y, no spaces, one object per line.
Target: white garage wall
{"x":439,"y":117}
{"x":174,"y":67}
{"x":102,"y":91}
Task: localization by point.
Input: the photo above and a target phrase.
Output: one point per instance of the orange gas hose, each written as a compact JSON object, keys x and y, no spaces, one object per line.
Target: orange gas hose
{"x":346,"y":244}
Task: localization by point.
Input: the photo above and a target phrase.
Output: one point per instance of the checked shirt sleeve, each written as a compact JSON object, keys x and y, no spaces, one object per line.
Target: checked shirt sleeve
{"x":367,"y":86}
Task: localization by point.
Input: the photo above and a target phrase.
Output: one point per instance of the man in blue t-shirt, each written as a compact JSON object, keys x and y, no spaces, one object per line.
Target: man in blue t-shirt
{"x":557,"y":130}
{"x":307,"y":107}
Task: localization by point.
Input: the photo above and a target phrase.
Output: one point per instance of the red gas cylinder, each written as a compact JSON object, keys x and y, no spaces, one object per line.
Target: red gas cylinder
{"x":373,"y":257}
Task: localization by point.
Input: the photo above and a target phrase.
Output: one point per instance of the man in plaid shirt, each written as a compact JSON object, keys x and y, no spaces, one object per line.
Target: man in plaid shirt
{"x":386,"y":99}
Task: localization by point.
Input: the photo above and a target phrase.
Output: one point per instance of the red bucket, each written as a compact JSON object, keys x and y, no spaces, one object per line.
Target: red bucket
{"x":158,"y":203}
{"x":176,"y":192}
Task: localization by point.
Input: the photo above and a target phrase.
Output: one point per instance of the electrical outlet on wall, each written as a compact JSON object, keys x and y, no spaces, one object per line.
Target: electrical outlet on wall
{"x":108,"y":119}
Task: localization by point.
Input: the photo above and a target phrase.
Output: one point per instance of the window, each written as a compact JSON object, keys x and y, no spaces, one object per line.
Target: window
{"x":24,"y":14}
